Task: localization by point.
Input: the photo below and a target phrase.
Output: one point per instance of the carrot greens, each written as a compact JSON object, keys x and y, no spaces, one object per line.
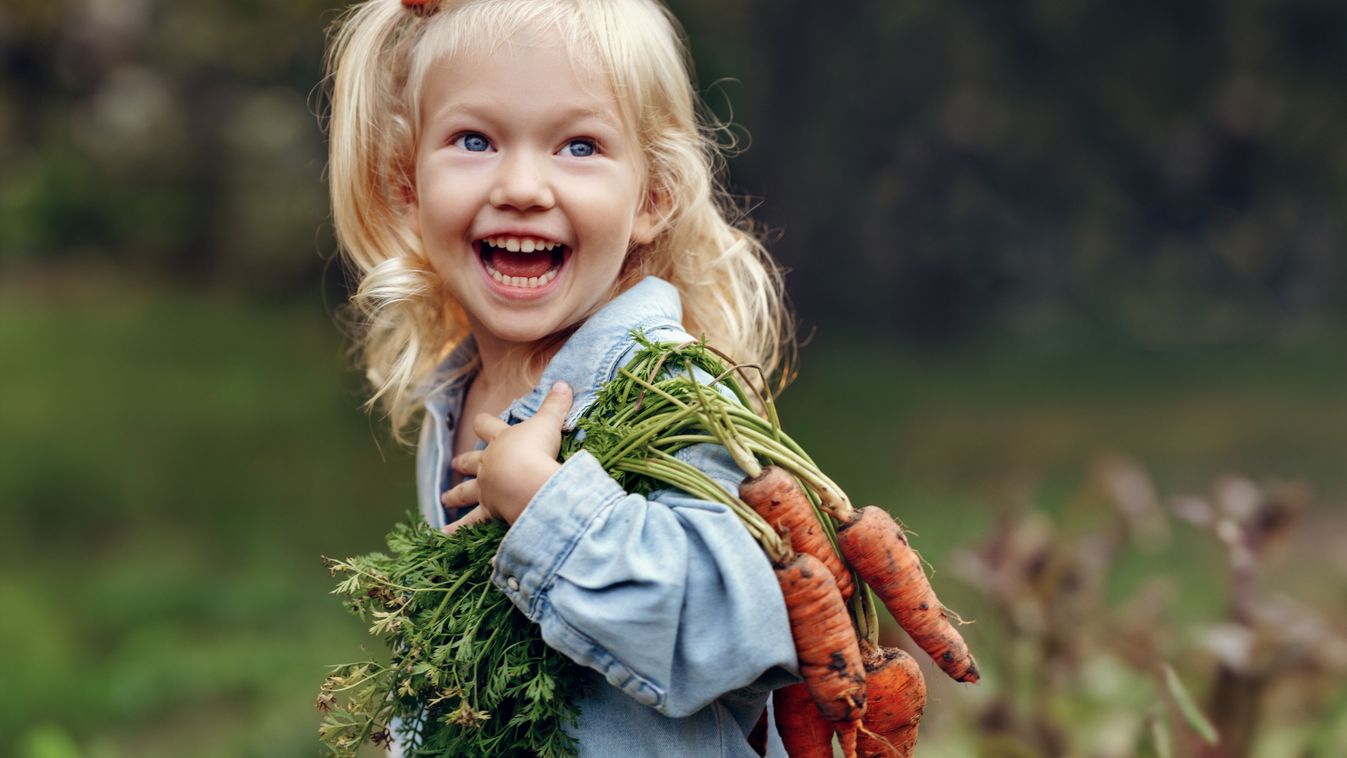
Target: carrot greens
{"x":467,"y":673}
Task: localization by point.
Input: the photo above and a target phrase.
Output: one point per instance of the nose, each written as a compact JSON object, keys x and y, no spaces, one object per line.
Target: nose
{"x":522,"y":183}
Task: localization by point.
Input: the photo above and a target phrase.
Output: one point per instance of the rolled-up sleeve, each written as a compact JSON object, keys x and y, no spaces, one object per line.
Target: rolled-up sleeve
{"x":667,"y":596}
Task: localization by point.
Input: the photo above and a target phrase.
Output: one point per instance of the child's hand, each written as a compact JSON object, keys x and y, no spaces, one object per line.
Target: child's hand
{"x":516,"y":461}
{"x":475,"y":516}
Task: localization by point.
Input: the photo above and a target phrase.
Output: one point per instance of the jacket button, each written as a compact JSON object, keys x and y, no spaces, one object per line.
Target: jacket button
{"x":513,"y":584}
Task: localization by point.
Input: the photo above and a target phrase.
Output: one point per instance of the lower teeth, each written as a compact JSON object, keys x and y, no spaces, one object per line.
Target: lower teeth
{"x":521,"y":281}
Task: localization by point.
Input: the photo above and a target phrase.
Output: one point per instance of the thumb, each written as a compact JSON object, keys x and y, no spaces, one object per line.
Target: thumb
{"x":557,"y":403}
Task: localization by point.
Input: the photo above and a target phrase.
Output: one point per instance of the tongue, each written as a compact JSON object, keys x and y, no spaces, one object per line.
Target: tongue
{"x":521,"y":264}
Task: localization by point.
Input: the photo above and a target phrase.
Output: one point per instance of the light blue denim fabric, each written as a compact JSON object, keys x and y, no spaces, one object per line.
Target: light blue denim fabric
{"x":666,"y":599}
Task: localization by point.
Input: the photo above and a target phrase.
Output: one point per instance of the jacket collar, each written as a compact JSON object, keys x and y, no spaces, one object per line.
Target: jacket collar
{"x":588,"y":358}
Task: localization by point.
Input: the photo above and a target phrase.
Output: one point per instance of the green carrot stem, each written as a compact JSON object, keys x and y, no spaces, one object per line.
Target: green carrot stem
{"x":871,"y":610}
{"x":694,"y":481}
{"x":764,"y":396}
{"x":764,"y":446}
{"x":705,"y":414}
{"x":646,"y":432}
{"x":833,"y":500}
{"x":757,"y":422}
{"x":837,"y":503}
{"x":672,"y":442}
{"x":829,"y":529}
{"x":726,"y":377}
{"x":653,"y":388}
{"x":686,"y":477}
{"x":669,"y":441}
{"x":738,"y":452}
{"x":862,"y":610}
{"x":736,"y":368}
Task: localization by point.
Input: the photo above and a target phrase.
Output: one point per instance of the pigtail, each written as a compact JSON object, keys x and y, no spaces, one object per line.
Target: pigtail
{"x":361,"y":63}
{"x":401,"y":321}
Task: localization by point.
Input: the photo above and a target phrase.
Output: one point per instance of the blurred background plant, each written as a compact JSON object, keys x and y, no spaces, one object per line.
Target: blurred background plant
{"x":1022,"y":235}
{"x":1094,"y":642}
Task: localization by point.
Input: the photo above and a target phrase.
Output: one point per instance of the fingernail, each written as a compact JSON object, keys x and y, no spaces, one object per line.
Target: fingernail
{"x":560,"y":387}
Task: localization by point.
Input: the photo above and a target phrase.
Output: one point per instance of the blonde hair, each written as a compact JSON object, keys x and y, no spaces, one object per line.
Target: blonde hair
{"x":378,"y":58}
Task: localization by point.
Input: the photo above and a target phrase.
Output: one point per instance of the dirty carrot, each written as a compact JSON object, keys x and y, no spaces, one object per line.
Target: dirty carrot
{"x":875,"y":546}
{"x":895,"y":699}
{"x":846,"y":737}
{"x":779,"y":499}
{"x":804,"y":732}
{"x":825,"y":641}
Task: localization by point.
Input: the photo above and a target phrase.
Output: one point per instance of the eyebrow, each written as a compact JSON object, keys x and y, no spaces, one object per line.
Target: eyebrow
{"x":480,"y":109}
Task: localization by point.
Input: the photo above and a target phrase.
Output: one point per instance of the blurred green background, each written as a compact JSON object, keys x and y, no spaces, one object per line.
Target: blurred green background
{"x":1071,"y":273}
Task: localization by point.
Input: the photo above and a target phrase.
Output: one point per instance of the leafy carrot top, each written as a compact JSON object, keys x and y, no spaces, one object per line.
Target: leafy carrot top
{"x":467,"y":673}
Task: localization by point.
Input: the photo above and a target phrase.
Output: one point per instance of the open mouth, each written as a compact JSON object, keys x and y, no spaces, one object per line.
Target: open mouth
{"x":525,"y":262}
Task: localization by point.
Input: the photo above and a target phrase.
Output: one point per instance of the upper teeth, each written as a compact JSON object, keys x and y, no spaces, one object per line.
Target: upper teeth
{"x":521,"y":244}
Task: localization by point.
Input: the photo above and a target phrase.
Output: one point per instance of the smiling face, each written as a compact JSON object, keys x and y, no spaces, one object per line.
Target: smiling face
{"x":529,"y":188}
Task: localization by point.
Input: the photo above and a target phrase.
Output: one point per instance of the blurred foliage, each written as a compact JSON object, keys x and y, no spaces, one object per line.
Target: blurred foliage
{"x":168,"y":138}
{"x":1105,"y":178}
{"x":1169,"y":171}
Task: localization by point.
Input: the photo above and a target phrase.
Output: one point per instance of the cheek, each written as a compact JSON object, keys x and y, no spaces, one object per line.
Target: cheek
{"x":443,"y":223}
{"x":445,"y":191}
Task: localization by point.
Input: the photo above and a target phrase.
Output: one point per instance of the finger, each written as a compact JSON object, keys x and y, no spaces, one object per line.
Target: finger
{"x":557,"y":404}
{"x":475,"y":516}
{"x":468,"y":463}
{"x":466,"y":493}
{"x":487,"y":426}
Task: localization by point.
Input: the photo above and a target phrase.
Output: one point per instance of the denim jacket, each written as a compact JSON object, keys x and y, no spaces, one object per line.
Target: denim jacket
{"x":666,"y":599}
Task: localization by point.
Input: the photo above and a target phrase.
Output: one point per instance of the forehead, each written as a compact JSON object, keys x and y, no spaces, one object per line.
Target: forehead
{"x":538,"y":67}
{"x":480,"y":63}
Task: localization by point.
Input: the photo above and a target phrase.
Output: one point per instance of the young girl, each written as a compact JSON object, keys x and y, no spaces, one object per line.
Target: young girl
{"x":520,"y":184}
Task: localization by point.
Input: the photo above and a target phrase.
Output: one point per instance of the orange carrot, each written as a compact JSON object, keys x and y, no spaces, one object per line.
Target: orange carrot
{"x":782,"y":503}
{"x":804,"y":732}
{"x":825,"y":641}
{"x":874,"y":545}
{"x":846,"y":737}
{"x":895,"y":700}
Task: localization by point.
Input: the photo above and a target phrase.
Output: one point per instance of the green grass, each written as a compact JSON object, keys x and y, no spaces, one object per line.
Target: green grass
{"x":174,"y":465}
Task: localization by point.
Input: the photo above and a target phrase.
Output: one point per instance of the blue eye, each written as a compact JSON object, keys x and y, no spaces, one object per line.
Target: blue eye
{"x":473,"y":143}
{"x":580,"y":148}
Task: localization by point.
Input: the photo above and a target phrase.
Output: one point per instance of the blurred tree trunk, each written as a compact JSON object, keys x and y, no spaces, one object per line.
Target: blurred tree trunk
{"x":800,"y":42}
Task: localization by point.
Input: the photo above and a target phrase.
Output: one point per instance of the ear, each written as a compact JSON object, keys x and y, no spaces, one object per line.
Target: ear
{"x":411,"y":205}
{"x":649,"y":217}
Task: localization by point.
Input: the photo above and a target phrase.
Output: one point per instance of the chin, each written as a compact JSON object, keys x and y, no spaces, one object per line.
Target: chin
{"x":524,"y":333}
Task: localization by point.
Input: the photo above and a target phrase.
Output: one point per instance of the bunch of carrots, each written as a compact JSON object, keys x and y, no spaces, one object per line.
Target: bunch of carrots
{"x":822,"y":548}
